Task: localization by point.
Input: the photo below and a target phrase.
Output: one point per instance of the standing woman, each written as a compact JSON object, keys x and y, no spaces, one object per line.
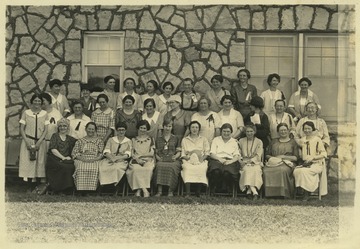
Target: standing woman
{"x":313,"y":155}
{"x":59,"y":165}
{"x":53,"y":116}
{"x":189,"y":98}
{"x":209,"y":120}
{"x":154,"y":118}
{"x":229,"y":115}
{"x":168,"y":166}
{"x":89,"y":103}
{"x":280,"y":116}
{"x":87,"y":154}
{"x":259,"y":119}
{"x":243,"y":92}
{"x":58,"y":100}
{"x":117,"y":152}
{"x":151,"y":88}
{"x":109,"y":91}
{"x":129,"y":115}
{"x":216,"y":93}
{"x":142,"y":164}
{"x":299,"y":99}
{"x":78,"y":120}
{"x":194,"y":151}
{"x":129,"y":89}
{"x":168,"y":89}
{"x":104,"y":118}
{"x":252,"y":152}
{"x":33,"y":128}
{"x":272,"y":94}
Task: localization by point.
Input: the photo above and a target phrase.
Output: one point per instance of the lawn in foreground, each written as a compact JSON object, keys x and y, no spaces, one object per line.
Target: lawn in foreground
{"x":169,"y":223}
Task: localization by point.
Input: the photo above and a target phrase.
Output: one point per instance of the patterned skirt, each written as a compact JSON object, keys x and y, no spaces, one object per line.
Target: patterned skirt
{"x":167,"y":173}
{"x":111,"y":173}
{"x":86,"y":175}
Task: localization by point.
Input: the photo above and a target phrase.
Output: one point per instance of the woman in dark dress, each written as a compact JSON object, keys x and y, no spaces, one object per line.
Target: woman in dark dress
{"x":129,"y":116}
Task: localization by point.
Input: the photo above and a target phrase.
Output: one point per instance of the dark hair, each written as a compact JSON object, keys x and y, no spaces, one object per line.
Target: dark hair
{"x":305,"y":79}
{"x":271,"y":76}
{"x":104,"y":96}
{"x":128,"y":97}
{"x":280,"y":100}
{"x":109,"y":77}
{"x":46,"y":96}
{"x":280,"y":125}
{"x":207,"y":100}
{"x":168,"y":83}
{"x":189,"y":79}
{"x":226,"y":126}
{"x":76,"y":102}
{"x":195,"y":122}
{"x":121,"y":125}
{"x":55,"y":82}
{"x":168,"y":121}
{"x":246,"y":71}
{"x":309,"y":123}
{"x":149,"y":100}
{"x":218,"y":78}
{"x":229,"y":97}
{"x":91,"y":123}
{"x":154,"y":83}
{"x":36,"y":95}
{"x":143,"y":122}
{"x":250,"y":125}
{"x":129,"y":78}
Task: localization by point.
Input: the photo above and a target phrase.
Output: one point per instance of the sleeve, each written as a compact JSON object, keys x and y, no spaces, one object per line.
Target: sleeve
{"x":206,"y":146}
{"x":178,"y":144}
{"x":183,"y":151}
{"x":53,"y":142}
{"x":321,"y":149}
{"x":258,"y":152}
{"x":298,"y":129}
{"x":263,"y":129}
{"x":325,"y":138}
{"x":112,"y":120}
{"x":236,"y":151}
{"x":23,"y":118}
{"x":119,"y":101}
{"x":77,"y":149}
{"x":292,"y":101}
{"x":255,"y":91}
{"x":282,"y":95}
{"x":160,"y":121}
{"x":152,"y":147}
{"x":295,"y":149}
{"x":213,"y":147}
{"x":138,"y":103}
{"x":187,"y":119}
{"x":128,"y":149}
{"x":108,"y":146}
{"x":100,"y":145}
{"x":217,"y":121}
{"x":316,"y":100}
{"x":262,"y":95}
{"x":268,"y":151}
{"x":239,"y":120}
{"x":66,"y":105}
{"x":93,"y":117}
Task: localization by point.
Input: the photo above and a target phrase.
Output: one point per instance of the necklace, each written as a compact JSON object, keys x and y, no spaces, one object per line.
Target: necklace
{"x":277,"y":120}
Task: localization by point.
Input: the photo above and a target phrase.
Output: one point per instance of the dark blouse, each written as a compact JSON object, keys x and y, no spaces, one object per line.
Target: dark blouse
{"x":64,"y":147}
{"x":262,"y":129}
{"x":130,"y":120}
{"x":167,"y":148}
{"x":289,"y":148}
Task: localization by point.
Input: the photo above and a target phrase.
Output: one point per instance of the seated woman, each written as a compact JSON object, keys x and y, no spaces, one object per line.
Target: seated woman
{"x":194,"y":150}
{"x":224,"y":160}
{"x":142,"y":164}
{"x":59,"y":165}
{"x":168,"y":166}
{"x":116,"y":152}
{"x":87,"y":154}
{"x":282,"y":153}
{"x":251,"y":163}
{"x":313,"y":155}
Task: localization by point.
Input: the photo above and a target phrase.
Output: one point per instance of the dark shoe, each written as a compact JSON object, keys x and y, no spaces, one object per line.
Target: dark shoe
{"x":249,"y":196}
{"x":306,"y":196}
{"x":255,"y":197}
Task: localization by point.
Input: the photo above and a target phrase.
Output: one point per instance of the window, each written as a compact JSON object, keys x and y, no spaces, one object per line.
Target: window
{"x":103,"y":54}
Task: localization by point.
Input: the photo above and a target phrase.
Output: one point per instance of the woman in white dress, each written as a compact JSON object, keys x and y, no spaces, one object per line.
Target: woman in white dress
{"x":154,"y":118}
{"x":194,"y":151}
{"x":78,"y":120}
{"x":280,"y":116}
{"x":216,"y":93}
{"x":229,"y":115}
{"x":272,"y":94}
{"x":168,"y":89}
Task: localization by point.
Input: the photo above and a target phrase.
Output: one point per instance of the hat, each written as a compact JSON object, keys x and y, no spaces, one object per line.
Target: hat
{"x":63,"y":121}
{"x":85,"y":87}
{"x":257,"y":102}
{"x":176,"y":98}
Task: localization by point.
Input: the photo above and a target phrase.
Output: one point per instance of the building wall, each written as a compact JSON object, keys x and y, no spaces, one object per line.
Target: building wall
{"x":162,"y":43}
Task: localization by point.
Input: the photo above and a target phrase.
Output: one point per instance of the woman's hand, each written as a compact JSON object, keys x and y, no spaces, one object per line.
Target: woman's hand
{"x":186,"y":158}
{"x":158,"y":158}
{"x":67,"y":158}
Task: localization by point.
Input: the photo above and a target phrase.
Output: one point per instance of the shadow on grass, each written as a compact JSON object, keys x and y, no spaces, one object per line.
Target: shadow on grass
{"x":16,"y":192}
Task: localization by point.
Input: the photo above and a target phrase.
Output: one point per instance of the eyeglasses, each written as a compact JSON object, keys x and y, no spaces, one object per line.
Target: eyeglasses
{"x":121,"y":129}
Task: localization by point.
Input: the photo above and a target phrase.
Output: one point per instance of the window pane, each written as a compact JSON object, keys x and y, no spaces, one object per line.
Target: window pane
{"x":313,"y":46}
{"x":92,"y":43}
{"x":257,"y":46}
{"x":115,"y":43}
{"x":103,"y":43}
{"x":286,"y":66}
{"x":328,"y":67}
{"x":103,"y":57}
{"x":271,"y":47}
{"x":313,"y":66}
{"x":92,"y":57}
{"x":271,"y":65}
{"x":257,"y":66}
{"x":115,"y":57}
{"x":329,"y":46}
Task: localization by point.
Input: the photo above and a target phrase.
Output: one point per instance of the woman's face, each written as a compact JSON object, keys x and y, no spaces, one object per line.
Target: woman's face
{"x":149,"y":107}
{"x":249,"y":132}
{"x":307,"y":130}
{"x":243,"y":77}
{"x":121,"y":131}
{"x":274,"y":82}
{"x":279,"y":107}
{"x":173,"y":104}
{"x":311,"y":109}
{"x":187,"y":86}
{"x":90,"y":130}
{"x":85,"y":93}
{"x":150,"y":88}
{"x":103,"y":104}
{"x":168,"y":127}
{"x":227,"y":104}
{"x":283,"y":132}
{"x":168,"y":89}
{"x":252,"y":108}
{"x":56,"y":89}
{"x":128,"y":103}
{"x":142,"y":130}
{"x":78,"y":109}
{"x":216,"y":84}
{"x":129,"y":84}
{"x":45,"y":103}
{"x":111,"y":84}
{"x":226,"y":133}
{"x":194,"y":129}
{"x":203,"y":105}
{"x":63,"y":128}
{"x":37,"y":103}
{"x":304,"y":86}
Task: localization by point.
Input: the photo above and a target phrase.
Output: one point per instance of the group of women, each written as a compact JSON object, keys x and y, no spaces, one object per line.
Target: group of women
{"x":218,"y":140}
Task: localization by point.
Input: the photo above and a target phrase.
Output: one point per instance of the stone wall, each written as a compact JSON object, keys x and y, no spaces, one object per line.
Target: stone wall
{"x":161,"y":42}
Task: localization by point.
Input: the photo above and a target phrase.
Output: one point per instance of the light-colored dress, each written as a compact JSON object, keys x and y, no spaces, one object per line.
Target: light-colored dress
{"x":286,"y":118}
{"x":234,"y":118}
{"x":159,"y":104}
{"x":34,"y":127}
{"x":60,"y":103}
{"x":155,"y":122}
{"x":215,"y":99}
{"x":77,"y":126}
{"x":113,"y":96}
{"x":251,"y":174}
{"x":111,"y":173}
{"x":164,"y":106}
{"x":86,"y":175}
{"x":52,"y":117}
{"x":299,"y":106}
{"x":320,"y":126}
{"x":269,"y":98}
{"x":104,"y":120}
{"x":208,"y":123}
{"x":308,"y":177}
{"x":139,"y":176}
{"x":194,"y":171}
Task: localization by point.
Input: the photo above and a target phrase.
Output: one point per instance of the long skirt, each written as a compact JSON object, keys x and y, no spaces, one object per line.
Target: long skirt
{"x":251,"y":175}
{"x":232,"y":169}
{"x":111,"y":173}
{"x":59,"y":174}
{"x":32,"y":169}
{"x":308,"y":178}
{"x":86,"y":175}
{"x":278,"y":181}
{"x":140,"y":176}
{"x":167,"y":173}
{"x":194,"y":173}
